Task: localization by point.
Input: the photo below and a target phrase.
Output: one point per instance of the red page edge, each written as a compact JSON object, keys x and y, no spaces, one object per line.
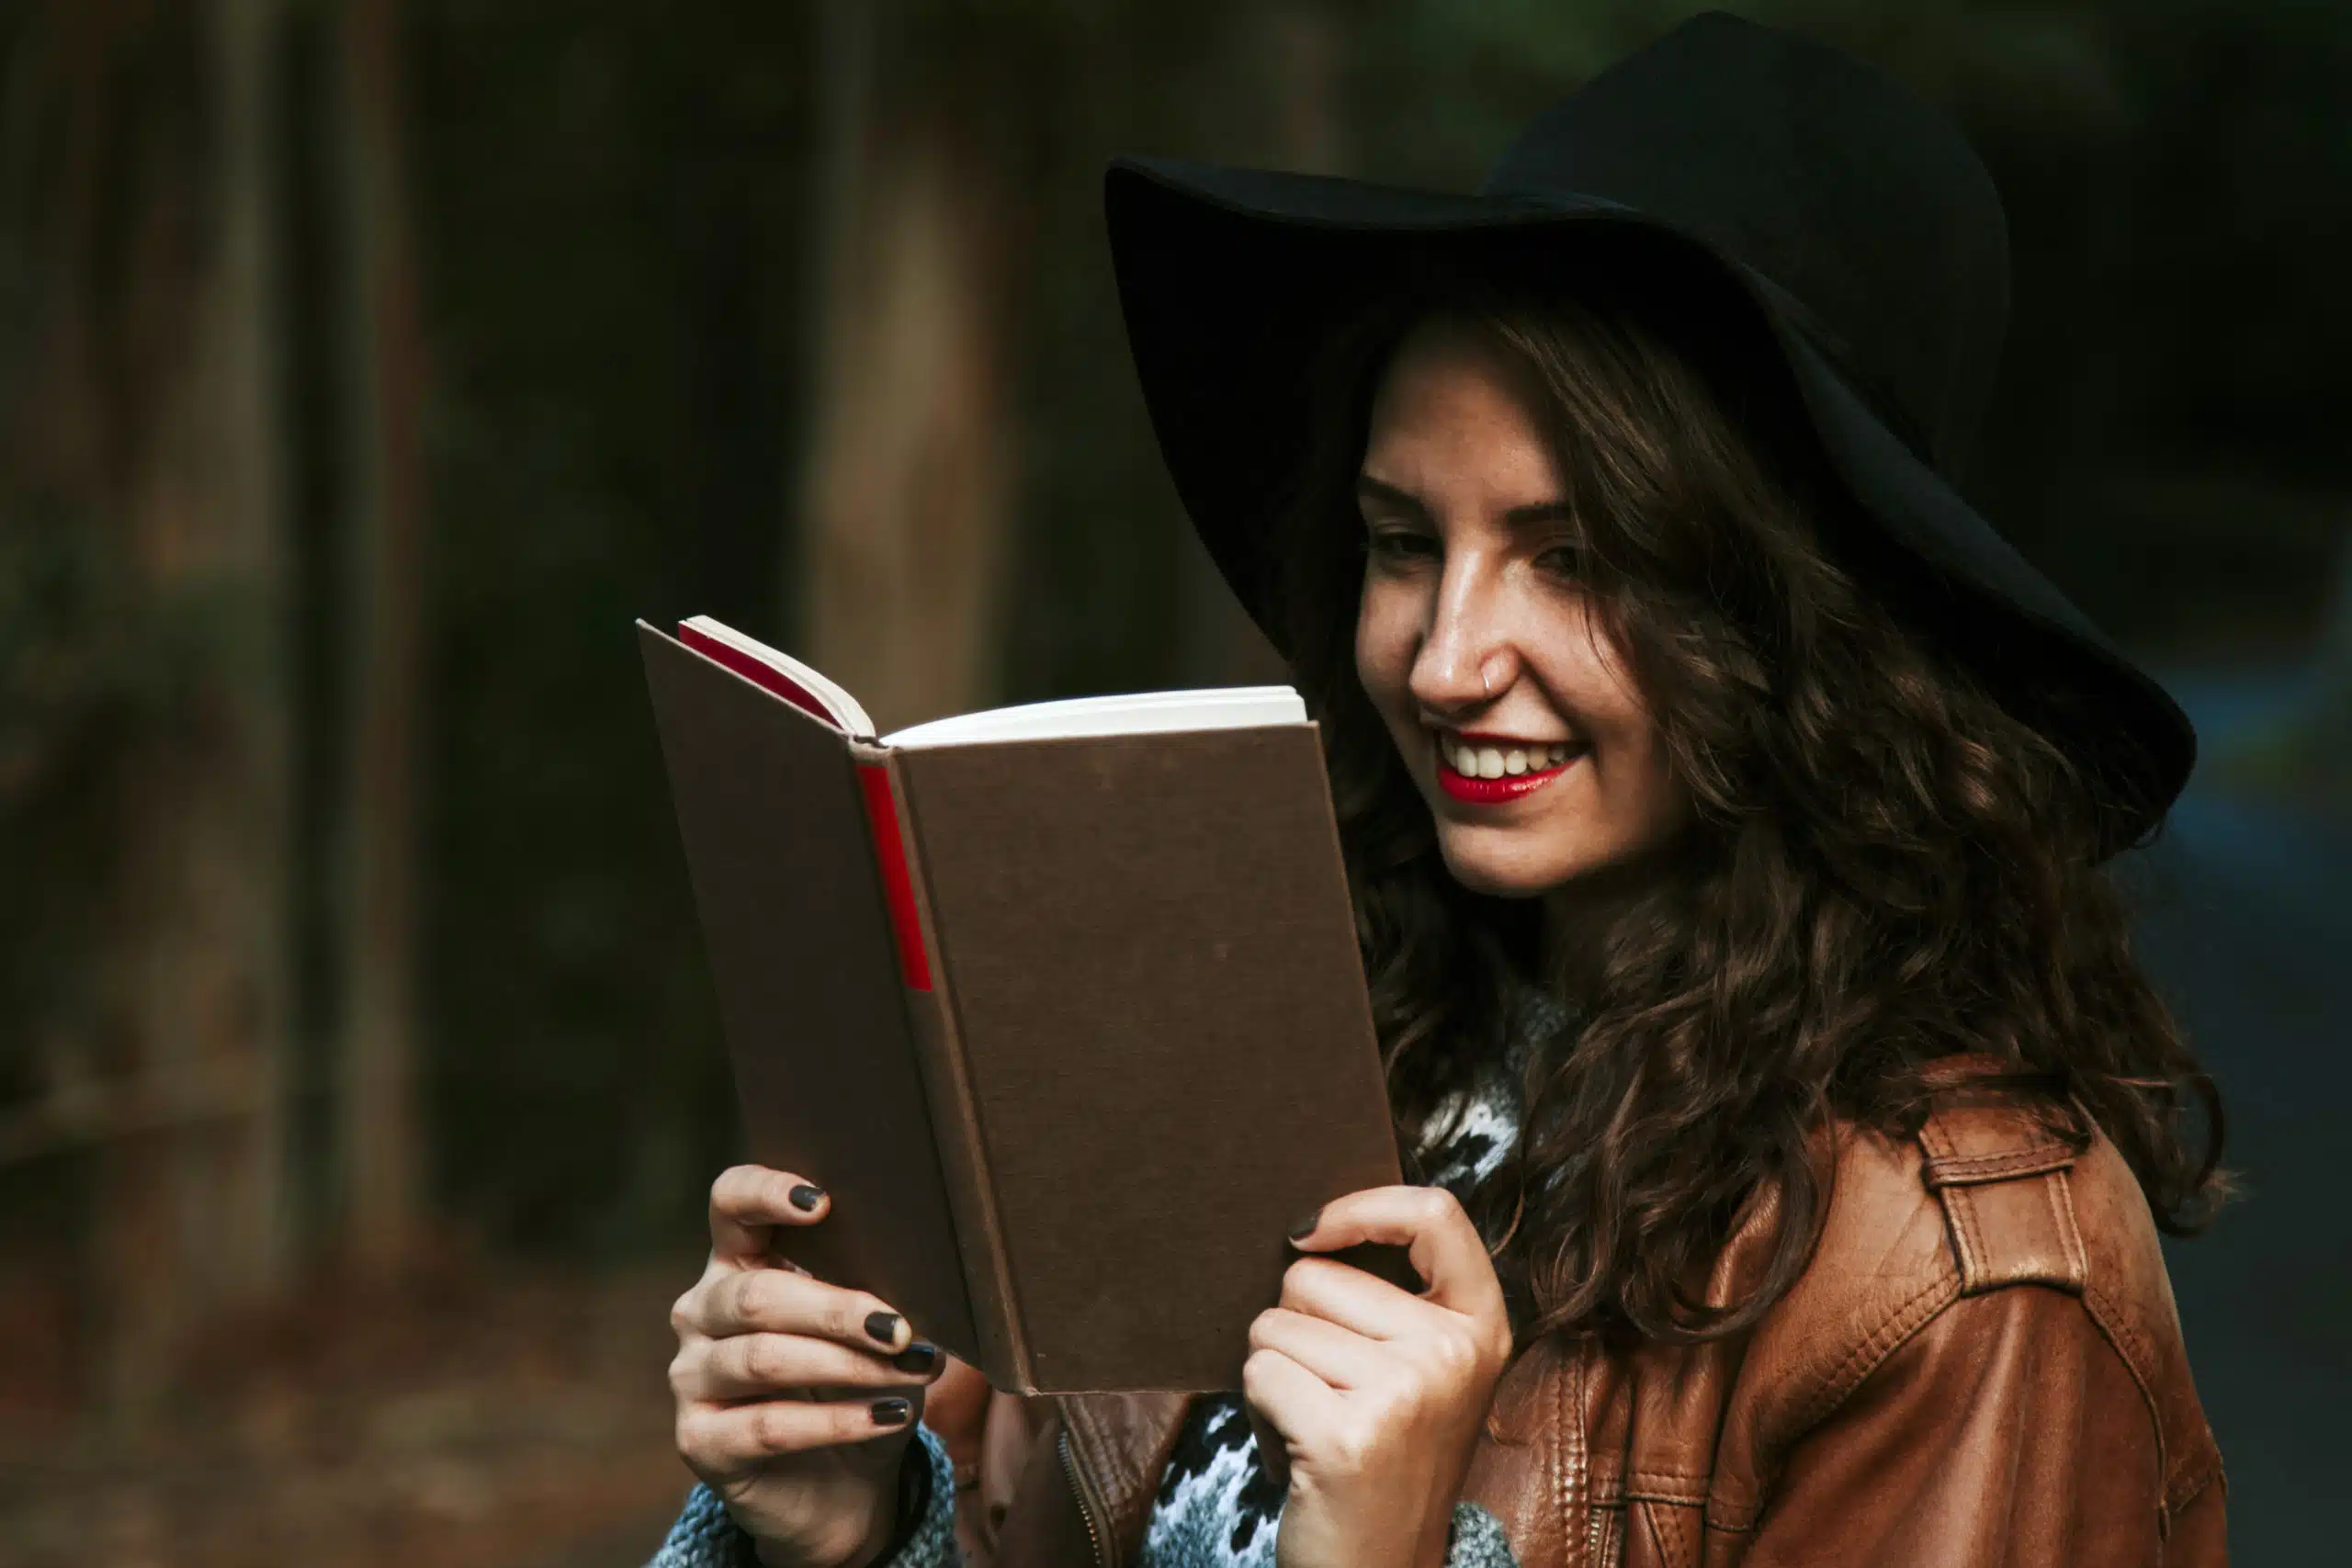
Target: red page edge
{"x":897,"y":886}
{"x":874,"y":782}
{"x":767,"y":677}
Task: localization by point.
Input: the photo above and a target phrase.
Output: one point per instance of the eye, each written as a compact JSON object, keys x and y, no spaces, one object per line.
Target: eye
{"x":1399,"y":546}
{"x":1563,"y":560}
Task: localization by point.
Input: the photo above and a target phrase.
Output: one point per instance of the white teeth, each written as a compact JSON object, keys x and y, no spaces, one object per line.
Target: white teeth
{"x":1495,"y":762}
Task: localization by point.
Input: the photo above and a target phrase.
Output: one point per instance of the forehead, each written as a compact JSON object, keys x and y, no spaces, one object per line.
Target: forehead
{"x":1456,"y":410}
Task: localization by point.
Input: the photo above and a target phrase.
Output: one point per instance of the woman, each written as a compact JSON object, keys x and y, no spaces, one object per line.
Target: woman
{"x":1788,"y":1121}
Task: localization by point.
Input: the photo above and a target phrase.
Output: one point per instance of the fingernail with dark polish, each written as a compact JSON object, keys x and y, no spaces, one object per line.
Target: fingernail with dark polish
{"x":883,"y":1325}
{"x":891,"y":1411}
{"x":1306,"y":1227}
{"x":805,"y":1198}
{"x":917,"y":1357}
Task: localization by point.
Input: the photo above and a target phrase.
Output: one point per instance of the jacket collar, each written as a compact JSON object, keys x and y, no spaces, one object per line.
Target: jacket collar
{"x":1121,"y":1444}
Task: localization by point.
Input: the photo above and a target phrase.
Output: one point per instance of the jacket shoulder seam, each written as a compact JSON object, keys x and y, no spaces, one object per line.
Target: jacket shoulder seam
{"x":2192,"y":1484}
{"x":1897,"y":1325}
{"x":2185,"y":1475}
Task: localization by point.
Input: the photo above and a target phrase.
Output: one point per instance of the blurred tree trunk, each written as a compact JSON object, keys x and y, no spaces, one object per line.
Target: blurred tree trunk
{"x":152,"y":420}
{"x":376,"y":1132}
{"x":906,"y":496}
{"x":209,"y":967}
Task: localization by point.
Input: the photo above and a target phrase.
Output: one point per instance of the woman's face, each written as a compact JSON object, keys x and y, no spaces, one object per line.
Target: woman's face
{"x":1514,"y":713}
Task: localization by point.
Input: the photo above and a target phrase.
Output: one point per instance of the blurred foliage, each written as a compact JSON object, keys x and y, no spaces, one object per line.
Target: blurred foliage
{"x":2303,"y":757}
{"x":2303,"y":760}
{"x":617,"y":209}
{"x":613,"y":200}
{"x":99,"y":663}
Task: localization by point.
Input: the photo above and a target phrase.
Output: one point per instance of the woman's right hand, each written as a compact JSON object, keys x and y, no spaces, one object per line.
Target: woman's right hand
{"x":796,"y":1399}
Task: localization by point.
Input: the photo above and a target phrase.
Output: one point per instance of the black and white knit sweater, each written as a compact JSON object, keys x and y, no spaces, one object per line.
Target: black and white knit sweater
{"x":1216,"y":1506}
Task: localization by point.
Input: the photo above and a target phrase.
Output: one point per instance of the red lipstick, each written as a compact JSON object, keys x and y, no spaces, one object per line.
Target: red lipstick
{"x":1491,"y":792}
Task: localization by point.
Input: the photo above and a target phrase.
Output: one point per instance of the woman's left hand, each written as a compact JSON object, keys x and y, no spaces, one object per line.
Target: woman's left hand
{"x":1373,"y":1397}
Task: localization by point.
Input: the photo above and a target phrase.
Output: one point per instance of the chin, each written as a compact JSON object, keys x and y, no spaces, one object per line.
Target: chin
{"x":1484,"y":860}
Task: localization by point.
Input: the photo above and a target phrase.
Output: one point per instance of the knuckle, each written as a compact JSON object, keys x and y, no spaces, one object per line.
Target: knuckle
{"x":767,"y":1359}
{"x":1454,"y":1354}
{"x":765,"y":1293}
{"x":771,"y":1427}
{"x":1353,"y":1442}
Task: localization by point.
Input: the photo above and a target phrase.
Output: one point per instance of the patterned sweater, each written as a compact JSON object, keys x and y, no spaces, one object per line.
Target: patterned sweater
{"x":1217,"y":1505}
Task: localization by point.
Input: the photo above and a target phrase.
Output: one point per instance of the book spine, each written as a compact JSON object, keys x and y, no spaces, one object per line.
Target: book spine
{"x":954,"y":1115}
{"x":897,"y":877}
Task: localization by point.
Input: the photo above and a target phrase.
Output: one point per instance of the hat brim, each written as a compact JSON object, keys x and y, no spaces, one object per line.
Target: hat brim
{"x":1230,"y":280}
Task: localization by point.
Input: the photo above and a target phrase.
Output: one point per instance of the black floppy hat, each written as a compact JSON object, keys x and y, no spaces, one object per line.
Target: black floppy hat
{"x":1855,"y":220}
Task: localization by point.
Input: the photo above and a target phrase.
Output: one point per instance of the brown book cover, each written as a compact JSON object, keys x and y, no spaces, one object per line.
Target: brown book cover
{"x":1073,"y":1027}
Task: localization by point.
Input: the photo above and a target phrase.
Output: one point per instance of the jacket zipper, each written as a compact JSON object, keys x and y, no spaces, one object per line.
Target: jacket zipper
{"x":1085,"y":1506}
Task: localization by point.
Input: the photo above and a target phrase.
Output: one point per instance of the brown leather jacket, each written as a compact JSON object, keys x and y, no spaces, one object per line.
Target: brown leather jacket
{"x":1981,"y":1365}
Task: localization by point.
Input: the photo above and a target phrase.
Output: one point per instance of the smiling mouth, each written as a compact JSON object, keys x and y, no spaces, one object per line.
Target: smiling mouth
{"x":1483,"y":769}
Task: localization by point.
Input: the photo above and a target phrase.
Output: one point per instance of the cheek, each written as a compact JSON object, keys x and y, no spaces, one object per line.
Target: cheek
{"x":1383,"y":647}
{"x":1637,"y":774}
{"x":1633,"y":797}
{"x":1641,"y":794}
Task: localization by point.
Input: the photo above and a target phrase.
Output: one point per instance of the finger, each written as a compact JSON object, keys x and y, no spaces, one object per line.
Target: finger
{"x":1429,"y":1222}
{"x":775,"y":1301}
{"x":1286,"y":1397}
{"x":1355,"y":1300}
{"x":748,"y":1201}
{"x":718,"y":1439}
{"x":1343,"y":1358}
{"x":1274,"y":1457}
{"x":760,"y":1366}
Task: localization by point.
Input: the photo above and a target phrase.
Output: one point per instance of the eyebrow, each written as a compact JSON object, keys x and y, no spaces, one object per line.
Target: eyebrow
{"x":1370,"y":489}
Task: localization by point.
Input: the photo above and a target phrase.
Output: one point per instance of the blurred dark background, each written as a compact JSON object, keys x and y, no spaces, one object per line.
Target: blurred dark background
{"x":367,"y":366}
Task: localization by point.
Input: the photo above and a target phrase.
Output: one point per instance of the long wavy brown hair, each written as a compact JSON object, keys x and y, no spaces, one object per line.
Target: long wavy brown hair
{"x":1892,"y":859}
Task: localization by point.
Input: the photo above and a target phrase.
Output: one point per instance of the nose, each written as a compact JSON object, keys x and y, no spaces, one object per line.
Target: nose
{"x":1463,"y":661}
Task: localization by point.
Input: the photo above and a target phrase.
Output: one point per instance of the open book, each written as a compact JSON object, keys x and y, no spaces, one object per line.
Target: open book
{"x":1061,"y":1002}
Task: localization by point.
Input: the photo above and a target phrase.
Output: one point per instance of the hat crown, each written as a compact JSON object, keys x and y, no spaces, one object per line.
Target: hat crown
{"x":1843,"y":190}
{"x":1854,"y":217}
